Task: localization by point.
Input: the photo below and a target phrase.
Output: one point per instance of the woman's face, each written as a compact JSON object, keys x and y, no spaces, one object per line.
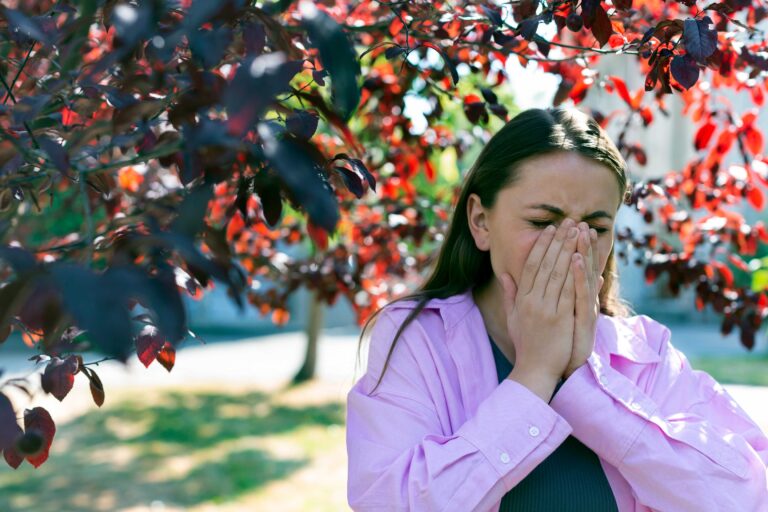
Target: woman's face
{"x":550,"y":188}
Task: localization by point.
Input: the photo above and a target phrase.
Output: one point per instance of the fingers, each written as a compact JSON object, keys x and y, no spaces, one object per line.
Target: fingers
{"x":535,"y":257}
{"x":582,"y":286}
{"x":548,"y":259}
{"x":566,"y":300}
{"x":562,"y":264}
{"x":595,"y":253}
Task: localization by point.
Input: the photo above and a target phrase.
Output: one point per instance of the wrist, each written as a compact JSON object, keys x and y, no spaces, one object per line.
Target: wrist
{"x":539,"y":383}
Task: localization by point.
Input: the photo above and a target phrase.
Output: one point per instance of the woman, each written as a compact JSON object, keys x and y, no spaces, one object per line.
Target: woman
{"x":516,"y":379}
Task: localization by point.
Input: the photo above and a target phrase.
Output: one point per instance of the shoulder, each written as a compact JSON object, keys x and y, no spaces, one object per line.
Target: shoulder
{"x":637,"y":337}
{"x":422,"y":333}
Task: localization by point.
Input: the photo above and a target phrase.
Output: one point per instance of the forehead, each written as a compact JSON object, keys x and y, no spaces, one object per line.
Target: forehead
{"x":575,"y":184}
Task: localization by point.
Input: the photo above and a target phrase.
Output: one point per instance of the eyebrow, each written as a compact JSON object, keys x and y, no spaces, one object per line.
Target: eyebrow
{"x":560,"y":213}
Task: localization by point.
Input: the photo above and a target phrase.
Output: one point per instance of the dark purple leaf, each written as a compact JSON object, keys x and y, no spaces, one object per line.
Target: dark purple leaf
{"x":157,"y":292}
{"x":528,"y":27}
{"x":269,"y":74}
{"x":358,"y":166}
{"x":393,"y":51}
{"x":208,"y":46}
{"x":27,"y":109}
{"x":601,"y":27}
{"x":319,"y":76}
{"x":589,"y":11}
{"x":133,"y":24}
{"x":59,"y":376}
{"x":338,"y":57}
{"x":19,"y":259}
{"x":9,"y":427}
{"x":268,"y":190}
{"x":303,"y":124}
{"x":56,"y":153}
{"x":96,"y":306}
{"x":254,"y":37}
{"x":700,"y":40}
{"x":492,"y":15}
{"x":489,"y":95}
{"x":20,"y":25}
{"x":190,"y":219}
{"x":685,"y":70}
{"x":353,"y":182}
{"x":302,"y":177}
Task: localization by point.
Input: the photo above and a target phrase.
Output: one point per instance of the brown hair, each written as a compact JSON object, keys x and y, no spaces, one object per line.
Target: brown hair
{"x":460,"y":265}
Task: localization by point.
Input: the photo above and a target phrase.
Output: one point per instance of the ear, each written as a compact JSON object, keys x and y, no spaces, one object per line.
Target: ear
{"x":477,"y":217}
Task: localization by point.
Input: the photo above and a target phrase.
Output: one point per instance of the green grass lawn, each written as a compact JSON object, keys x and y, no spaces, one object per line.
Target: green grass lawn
{"x":200,"y":450}
{"x":751,"y":369}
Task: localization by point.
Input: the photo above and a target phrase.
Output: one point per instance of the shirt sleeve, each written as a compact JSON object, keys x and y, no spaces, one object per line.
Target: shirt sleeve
{"x":680,"y":440}
{"x":403,"y":457}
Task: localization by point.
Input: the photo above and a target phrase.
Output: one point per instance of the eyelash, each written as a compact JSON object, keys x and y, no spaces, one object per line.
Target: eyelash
{"x":545,"y":223}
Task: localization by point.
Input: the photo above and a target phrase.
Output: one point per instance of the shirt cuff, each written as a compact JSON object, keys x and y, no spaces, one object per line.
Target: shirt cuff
{"x":514,"y":427}
{"x":598,"y":421}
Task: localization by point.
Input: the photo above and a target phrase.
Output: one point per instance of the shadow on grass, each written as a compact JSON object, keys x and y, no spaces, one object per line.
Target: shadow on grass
{"x":188,"y":449}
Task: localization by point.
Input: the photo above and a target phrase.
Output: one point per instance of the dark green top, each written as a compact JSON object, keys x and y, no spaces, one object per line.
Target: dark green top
{"x":571,"y":479}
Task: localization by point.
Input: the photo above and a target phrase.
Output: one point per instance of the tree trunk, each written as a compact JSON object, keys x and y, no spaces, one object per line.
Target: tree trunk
{"x":314,"y":324}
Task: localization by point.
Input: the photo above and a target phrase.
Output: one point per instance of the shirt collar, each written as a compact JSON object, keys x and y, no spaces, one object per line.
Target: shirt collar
{"x":615,"y":335}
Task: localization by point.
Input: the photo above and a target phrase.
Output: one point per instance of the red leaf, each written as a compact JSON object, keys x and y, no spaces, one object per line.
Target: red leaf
{"x":318,"y":235}
{"x":148,"y":343}
{"x":12,"y":457}
{"x":755,"y":197}
{"x":167,"y":356}
{"x":97,"y":388}
{"x":754,"y":140}
{"x":704,"y":135}
{"x":725,"y":272}
{"x":621,"y":88}
{"x":69,"y":117}
{"x":39,"y":419}
{"x":235,"y":226}
{"x":740,"y":263}
{"x":430,"y":170}
{"x":281,"y":316}
{"x":725,"y":141}
{"x":59,"y":376}
{"x":646,"y":113}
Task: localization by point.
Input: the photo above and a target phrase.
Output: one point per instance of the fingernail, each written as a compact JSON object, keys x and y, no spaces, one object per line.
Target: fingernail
{"x":572,"y":232}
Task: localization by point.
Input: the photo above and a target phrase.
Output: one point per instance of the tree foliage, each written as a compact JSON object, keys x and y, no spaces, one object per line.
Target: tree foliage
{"x":153,"y":148}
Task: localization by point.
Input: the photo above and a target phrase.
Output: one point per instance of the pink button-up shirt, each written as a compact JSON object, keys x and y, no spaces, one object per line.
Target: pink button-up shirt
{"x":441,"y":433}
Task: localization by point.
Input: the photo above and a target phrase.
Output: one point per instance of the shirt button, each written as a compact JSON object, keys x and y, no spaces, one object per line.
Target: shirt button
{"x":504,"y":457}
{"x":533,"y":431}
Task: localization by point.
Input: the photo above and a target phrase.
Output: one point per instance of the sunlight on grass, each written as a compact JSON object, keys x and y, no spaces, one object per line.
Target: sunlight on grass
{"x":749,"y":369}
{"x":193,"y":450}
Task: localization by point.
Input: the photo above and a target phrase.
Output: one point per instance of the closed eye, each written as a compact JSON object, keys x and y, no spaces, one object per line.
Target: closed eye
{"x":544,"y":223}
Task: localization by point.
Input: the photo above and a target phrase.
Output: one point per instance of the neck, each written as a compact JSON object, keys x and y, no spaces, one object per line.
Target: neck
{"x":490,"y":303}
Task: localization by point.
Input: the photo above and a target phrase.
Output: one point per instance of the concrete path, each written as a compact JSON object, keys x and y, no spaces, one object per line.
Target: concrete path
{"x":270,"y":361}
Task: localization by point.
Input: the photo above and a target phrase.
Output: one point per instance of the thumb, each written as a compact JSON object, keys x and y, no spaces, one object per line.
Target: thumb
{"x":600,"y":281}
